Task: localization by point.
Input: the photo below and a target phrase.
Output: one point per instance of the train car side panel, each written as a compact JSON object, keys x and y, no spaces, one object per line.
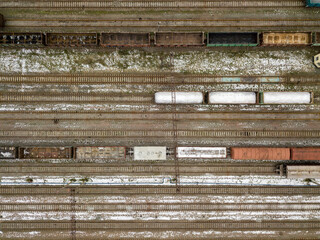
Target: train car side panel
{"x":306,"y":171}
{"x":125,"y":39}
{"x":260,"y":153}
{"x":179,"y":39}
{"x":233,"y":39}
{"x":21,"y":39}
{"x":281,"y":38}
{"x":45,"y":152}
{"x":7,"y":152}
{"x":150,"y":153}
{"x":71,"y":39}
{"x":305,"y":154}
{"x":100,"y":153}
{"x":201,"y":152}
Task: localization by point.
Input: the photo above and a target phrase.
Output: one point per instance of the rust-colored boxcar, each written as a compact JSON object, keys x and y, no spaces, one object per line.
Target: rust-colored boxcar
{"x":260,"y":153}
{"x":7,"y":152}
{"x":125,"y":39}
{"x":45,"y":152}
{"x":282,"y":38}
{"x":72,"y":39}
{"x":100,"y":153}
{"x":307,"y":153}
{"x":178,"y":39}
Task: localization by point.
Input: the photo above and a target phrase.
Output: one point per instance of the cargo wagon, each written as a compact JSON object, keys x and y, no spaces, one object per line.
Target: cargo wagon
{"x":286,"y":97}
{"x":232,"y":98}
{"x":313,"y":3}
{"x":286,"y":38}
{"x":7,"y":152}
{"x":306,"y":153}
{"x":1,"y":21}
{"x":100,"y":153}
{"x":179,"y":39}
{"x":21,"y":39}
{"x":316,"y":39}
{"x":71,"y":39}
{"x":302,"y":171}
{"x":201,"y":152}
{"x":45,"y":152}
{"x":233,"y":39}
{"x":150,"y":153}
{"x":125,"y":39}
{"x":260,"y":153}
{"x":179,"y":98}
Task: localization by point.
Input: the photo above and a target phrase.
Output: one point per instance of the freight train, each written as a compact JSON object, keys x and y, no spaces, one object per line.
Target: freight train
{"x":233,"y":98}
{"x":161,"y":39}
{"x":161,"y":153}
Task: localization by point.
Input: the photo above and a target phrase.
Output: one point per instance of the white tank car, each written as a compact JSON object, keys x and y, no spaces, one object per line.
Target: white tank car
{"x":179,"y":97}
{"x":232,"y":98}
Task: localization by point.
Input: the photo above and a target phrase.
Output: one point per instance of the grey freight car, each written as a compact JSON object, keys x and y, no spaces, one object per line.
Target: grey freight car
{"x":125,"y":39}
{"x":7,"y":152}
{"x":302,"y":171}
{"x":179,"y":39}
{"x":100,"y":153}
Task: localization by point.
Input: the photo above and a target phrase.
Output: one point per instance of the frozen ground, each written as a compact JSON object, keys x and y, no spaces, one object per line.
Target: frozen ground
{"x":253,"y":61}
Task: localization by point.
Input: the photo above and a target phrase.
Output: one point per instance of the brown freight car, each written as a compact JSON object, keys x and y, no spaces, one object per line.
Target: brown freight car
{"x":260,"y":153}
{"x":307,"y":153}
{"x":125,"y":39}
{"x":45,"y":152}
{"x":179,"y":39}
{"x":72,"y":39}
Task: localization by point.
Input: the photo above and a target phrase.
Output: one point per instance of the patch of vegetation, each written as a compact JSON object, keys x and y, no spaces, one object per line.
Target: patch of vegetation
{"x":29,"y":180}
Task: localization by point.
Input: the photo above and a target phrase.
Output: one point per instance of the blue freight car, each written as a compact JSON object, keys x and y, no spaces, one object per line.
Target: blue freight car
{"x":313,"y":3}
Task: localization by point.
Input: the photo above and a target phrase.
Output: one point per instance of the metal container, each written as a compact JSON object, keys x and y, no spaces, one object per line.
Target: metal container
{"x":150,"y":153}
{"x":7,"y":152}
{"x":233,"y":39}
{"x":45,"y":152}
{"x":260,"y":153}
{"x":179,"y":97}
{"x":287,"y":38}
{"x":179,"y":39}
{"x":303,"y":171}
{"x":72,"y":39}
{"x":21,"y":39}
{"x":232,"y":98}
{"x":125,"y":39}
{"x":201,"y":152}
{"x":307,"y":153}
{"x":100,"y":153}
{"x":286,"y":97}
{"x":313,"y":3}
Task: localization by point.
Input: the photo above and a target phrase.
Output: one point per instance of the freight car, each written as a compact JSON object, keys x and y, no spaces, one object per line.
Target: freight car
{"x":286,"y":38}
{"x":21,"y":39}
{"x":286,"y":97}
{"x":299,"y":171}
{"x":1,"y":21}
{"x":313,"y":3}
{"x":201,"y":152}
{"x":179,"y":98}
{"x":172,"y":39}
{"x":118,"y":153}
{"x":7,"y":152}
{"x":125,"y":39}
{"x":45,"y":152}
{"x":150,"y":153}
{"x":232,"y":39}
{"x":316,"y":39}
{"x":260,"y":153}
{"x":305,"y":153}
{"x":72,"y":39}
{"x":232,"y":98}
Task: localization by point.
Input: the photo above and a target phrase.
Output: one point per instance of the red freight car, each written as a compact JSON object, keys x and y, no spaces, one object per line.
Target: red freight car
{"x":260,"y":153}
{"x":308,"y":153}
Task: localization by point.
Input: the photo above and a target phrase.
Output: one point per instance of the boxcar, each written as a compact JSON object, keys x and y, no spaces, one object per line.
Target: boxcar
{"x":316,"y":39}
{"x":286,"y":98}
{"x":260,"y":153}
{"x":72,"y":39}
{"x":1,"y":21}
{"x":303,"y":171}
{"x":150,"y":153}
{"x":179,"y":97}
{"x":100,"y":153}
{"x":280,"y":38}
{"x":7,"y":152}
{"x":125,"y":39}
{"x":179,"y":39}
{"x":306,"y":153}
{"x":233,"y":39}
{"x":313,"y":3}
{"x":45,"y":152}
{"x":232,"y":98}
{"x":10,"y":39}
{"x":201,"y":152}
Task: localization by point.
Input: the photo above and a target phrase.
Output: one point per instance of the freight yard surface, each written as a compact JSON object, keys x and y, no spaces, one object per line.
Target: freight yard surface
{"x":159,"y":119}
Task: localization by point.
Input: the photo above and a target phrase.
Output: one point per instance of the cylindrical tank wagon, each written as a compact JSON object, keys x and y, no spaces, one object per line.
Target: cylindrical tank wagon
{"x":179,"y":98}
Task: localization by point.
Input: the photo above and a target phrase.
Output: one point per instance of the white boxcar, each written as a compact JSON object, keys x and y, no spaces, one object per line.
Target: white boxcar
{"x":201,"y":152}
{"x":287,"y":97}
{"x":303,"y":171}
{"x":179,"y":97}
{"x":150,"y":153}
{"x":232,"y":98}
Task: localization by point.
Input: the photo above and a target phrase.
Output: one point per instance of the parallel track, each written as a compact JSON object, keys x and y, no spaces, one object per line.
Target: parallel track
{"x":156,"y":190}
{"x":153,"y":4}
{"x":160,"y":134}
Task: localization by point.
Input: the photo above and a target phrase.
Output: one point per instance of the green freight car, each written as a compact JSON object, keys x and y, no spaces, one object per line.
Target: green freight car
{"x":232,"y":39}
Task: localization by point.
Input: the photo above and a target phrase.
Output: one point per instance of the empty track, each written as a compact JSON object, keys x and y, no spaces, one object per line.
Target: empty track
{"x":150,"y":4}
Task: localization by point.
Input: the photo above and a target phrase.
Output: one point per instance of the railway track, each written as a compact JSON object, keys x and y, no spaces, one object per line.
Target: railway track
{"x":165,"y":225}
{"x":150,"y":4}
{"x":160,"y":134}
{"x":157,"y":190}
{"x":115,"y":169}
{"x":42,"y":207}
{"x":163,"y":24}
{"x":143,"y":79}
